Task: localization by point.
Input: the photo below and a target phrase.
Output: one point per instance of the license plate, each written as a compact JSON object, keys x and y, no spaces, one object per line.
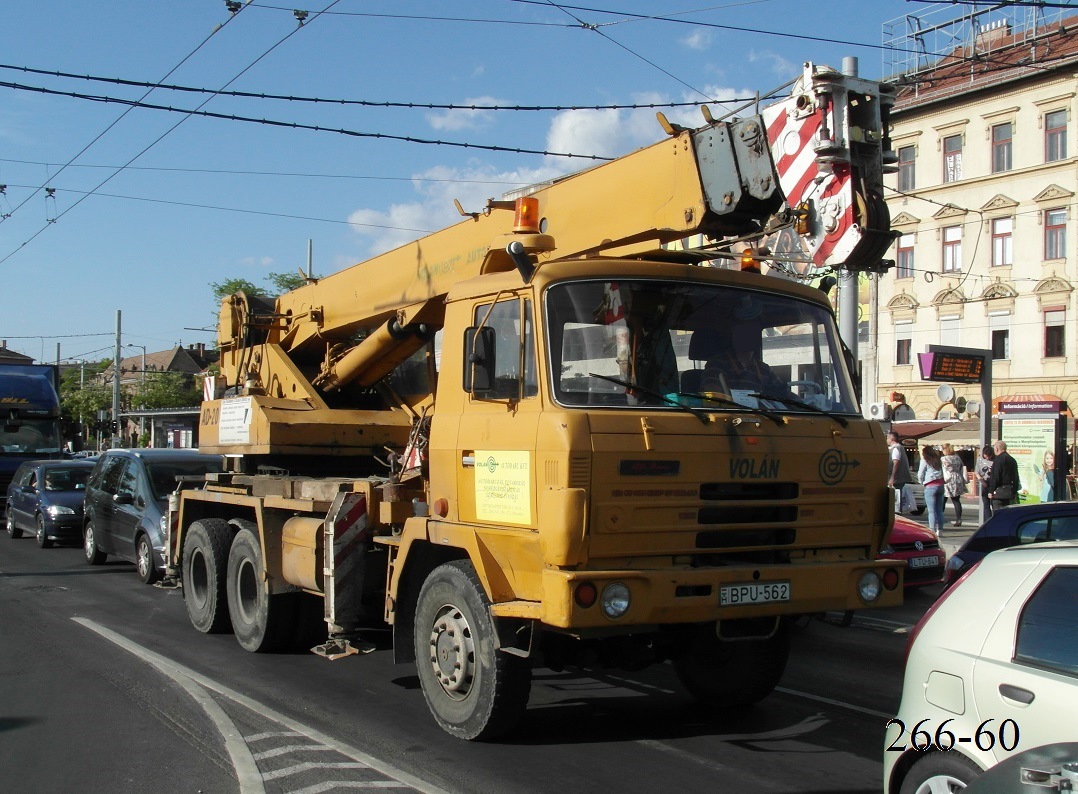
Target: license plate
{"x":923,"y":562}
{"x":754,"y":593}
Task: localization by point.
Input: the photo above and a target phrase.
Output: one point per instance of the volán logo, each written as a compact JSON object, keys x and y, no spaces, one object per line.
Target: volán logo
{"x":834,"y":466}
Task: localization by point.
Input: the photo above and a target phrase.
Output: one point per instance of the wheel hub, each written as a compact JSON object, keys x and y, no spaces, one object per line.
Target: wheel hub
{"x":452,"y":652}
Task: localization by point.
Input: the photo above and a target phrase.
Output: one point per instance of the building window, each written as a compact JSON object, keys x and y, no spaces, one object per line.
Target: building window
{"x":1002,"y":250}
{"x":904,"y":343}
{"x":1002,"y":135}
{"x":1000,"y":324}
{"x":1055,"y":136}
{"x":1055,"y":234}
{"x":905,"y":257}
{"x":950,"y":331}
{"x":1054,"y":336}
{"x":952,"y":158}
{"x":906,"y":179}
{"x":952,"y":249}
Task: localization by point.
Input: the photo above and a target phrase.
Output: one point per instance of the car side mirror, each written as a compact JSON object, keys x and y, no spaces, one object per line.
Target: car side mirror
{"x":123,"y":499}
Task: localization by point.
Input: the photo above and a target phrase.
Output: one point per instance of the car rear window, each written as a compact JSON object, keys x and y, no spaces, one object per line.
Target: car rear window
{"x":1048,"y":625}
{"x":163,"y":473}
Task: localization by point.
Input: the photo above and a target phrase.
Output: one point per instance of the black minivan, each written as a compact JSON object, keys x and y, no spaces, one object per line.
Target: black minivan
{"x":127,"y":504}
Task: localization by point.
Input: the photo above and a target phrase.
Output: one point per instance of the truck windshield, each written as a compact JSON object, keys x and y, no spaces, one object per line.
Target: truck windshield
{"x":703,"y":345}
{"x":30,"y":437}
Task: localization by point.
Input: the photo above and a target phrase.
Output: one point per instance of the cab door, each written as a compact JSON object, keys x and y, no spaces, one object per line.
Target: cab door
{"x":497,"y":433}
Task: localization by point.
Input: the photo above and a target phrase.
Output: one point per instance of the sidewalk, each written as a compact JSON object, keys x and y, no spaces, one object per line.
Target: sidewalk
{"x":952,"y":537}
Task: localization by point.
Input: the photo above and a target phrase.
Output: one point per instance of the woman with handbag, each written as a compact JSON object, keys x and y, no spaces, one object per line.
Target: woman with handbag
{"x":954,"y":480}
{"x":930,"y":473}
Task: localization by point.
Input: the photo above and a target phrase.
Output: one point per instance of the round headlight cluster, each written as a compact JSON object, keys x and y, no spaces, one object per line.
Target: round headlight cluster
{"x":869,"y":587}
{"x":615,"y":600}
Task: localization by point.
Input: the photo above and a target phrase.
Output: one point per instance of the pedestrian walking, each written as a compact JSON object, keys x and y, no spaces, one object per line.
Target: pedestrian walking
{"x":983,"y":470}
{"x":1004,"y":483}
{"x":930,"y":473}
{"x":954,"y":480}
{"x":898,"y":474}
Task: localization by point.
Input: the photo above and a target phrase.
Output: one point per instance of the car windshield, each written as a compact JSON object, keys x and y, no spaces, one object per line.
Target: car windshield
{"x":701,"y":345}
{"x":67,"y":479}
{"x":30,"y":437}
{"x":163,"y":473}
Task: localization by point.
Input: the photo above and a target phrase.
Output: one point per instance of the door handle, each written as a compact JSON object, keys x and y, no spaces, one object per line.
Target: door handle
{"x":1010,"y":692}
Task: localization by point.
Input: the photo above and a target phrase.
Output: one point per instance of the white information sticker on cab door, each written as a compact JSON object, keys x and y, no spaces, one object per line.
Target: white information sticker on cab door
{"x":503,"y":490}
{"x":733,"y":595}
{"x":235,"y":424}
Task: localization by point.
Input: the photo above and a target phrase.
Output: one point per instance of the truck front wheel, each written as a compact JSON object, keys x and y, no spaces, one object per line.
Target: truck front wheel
{"x":730,"y":673}
{"x":473,"y":690}
{"x":262,"y":622}
{"x":205,"y":557}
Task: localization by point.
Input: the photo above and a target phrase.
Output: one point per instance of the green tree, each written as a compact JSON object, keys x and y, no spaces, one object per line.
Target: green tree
{"x":81,"y":395}
{"x":222,"y":289}
{"x":286,"y":282}
{"x":166,"y":390}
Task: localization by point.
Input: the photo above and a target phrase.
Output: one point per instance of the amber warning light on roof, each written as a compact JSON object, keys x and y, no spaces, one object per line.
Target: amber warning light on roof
{"x":951,"y":367}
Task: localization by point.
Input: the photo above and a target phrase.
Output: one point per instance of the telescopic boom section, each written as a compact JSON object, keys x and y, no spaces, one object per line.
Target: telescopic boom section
{"x":812,"y":164}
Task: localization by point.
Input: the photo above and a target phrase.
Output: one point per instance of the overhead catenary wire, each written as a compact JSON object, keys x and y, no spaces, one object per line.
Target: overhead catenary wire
{"x":303,"y":23}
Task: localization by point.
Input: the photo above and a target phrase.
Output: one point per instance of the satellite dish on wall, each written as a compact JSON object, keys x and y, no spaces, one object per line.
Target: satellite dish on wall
{"x":903,"y":413}
{"x":960,"y":404}
{"x":945,"y":392}
{"x":973,"y":407}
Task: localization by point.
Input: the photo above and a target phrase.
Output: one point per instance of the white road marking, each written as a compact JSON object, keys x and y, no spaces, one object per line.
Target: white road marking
{"x":831,"y":702}
{"x":307,"y":766}
{"x":291,"y":748}
{"x":173,"y":669}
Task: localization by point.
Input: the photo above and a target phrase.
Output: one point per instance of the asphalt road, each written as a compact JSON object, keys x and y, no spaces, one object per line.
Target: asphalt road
{"x":104,"y":686}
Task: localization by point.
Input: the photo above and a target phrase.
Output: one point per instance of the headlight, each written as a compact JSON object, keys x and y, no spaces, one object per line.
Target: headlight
{"x":869,"y":587}
{"x":59,"y":510}
{"x":616,"y":599}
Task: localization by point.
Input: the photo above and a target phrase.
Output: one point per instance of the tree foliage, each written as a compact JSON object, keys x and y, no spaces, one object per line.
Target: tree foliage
{"x":81,"y":395}
{"x":165,"y":390}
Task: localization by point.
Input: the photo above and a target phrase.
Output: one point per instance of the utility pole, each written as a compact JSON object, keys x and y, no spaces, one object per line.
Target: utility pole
{"x":847,"y":279}
{"x":116,"y":387}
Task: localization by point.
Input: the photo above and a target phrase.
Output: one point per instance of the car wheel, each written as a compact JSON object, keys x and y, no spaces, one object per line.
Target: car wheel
{"x":145,"y":563}
{"x":724,"y":674}
{"x":940,"y":773}
{"x":13,"y":531}
{"x":205,"y":558}
{"x":42,"y":536}
{"x":261,"y":621}
{"x":94,"y":555}
{"x":474,"y":690}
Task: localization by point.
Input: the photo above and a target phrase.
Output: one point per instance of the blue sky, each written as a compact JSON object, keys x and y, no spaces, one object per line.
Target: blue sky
{"x":213,"y":199}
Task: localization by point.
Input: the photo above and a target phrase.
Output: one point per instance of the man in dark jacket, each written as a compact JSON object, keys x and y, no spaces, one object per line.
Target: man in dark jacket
{"x":1004,"y":483}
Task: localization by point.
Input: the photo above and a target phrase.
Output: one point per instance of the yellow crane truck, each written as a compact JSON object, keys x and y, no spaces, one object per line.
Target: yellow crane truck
{"x":503,"y":439}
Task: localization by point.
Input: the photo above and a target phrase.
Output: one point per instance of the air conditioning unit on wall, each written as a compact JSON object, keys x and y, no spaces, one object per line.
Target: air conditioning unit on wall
{"x":881,"y":412}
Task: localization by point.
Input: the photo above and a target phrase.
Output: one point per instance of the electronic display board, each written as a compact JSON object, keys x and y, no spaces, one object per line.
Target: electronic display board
{"x":951,"y":367}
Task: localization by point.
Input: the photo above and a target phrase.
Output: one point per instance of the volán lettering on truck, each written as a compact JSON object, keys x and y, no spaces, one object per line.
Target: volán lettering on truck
{"x":571,"y":429}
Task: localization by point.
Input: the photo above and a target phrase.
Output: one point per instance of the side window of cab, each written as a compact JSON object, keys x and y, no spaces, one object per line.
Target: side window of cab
{"x":515,"y":375}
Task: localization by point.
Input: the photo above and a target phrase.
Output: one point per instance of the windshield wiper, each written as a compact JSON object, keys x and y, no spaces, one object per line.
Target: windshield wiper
{"x":650,"y":393}
{"x":734,"y":404}
{"x":801,"y":404}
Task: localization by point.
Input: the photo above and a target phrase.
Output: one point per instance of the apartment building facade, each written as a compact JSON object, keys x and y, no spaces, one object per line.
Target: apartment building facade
{"x":984,"y":201}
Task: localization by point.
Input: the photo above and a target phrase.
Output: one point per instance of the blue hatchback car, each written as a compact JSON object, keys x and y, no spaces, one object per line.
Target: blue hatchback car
{"x":1015,"y":526}
{"x":45,"y":497}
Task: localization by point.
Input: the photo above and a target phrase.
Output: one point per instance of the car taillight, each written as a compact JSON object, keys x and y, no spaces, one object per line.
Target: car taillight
{"x":932,"y":610}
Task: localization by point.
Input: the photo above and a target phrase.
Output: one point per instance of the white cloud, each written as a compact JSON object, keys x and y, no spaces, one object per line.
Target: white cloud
{"x":775,"y":62}
{"x":256,"y":261}
{"x":698,"y":40}
{"x":464,"y":119}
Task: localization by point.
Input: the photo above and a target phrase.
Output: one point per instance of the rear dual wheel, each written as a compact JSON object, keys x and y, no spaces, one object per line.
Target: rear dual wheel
{"x":262,"y":622}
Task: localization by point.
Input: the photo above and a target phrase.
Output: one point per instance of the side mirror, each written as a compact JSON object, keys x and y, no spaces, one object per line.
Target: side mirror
{"x":479,"y":344}
{"x":123,"y":499}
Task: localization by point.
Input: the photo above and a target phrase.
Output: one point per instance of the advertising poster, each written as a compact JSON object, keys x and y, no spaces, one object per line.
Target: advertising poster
{"x":1031,"y":443}
{"x":503,"y":486}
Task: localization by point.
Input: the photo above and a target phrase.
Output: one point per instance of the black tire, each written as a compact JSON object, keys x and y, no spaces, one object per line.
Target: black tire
{"x":474,"y":691}
{"x":938,"y":772}
{"x":42,"y":536}
{"x":13,"y":531}
{"x":145,"y":561}
{"x":262,"y":623}
{"x":205,"y":561}
{"x":730,"y":674}
{"x":93,"y":555}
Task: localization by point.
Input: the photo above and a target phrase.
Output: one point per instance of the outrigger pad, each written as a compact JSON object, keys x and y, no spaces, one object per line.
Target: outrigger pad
{"x":341,"y":647}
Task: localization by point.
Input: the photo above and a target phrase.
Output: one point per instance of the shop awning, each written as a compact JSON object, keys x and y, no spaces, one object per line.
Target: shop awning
{"x":913,"y":429}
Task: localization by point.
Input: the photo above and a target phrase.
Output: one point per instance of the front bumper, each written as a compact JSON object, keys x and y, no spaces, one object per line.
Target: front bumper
{"x":691,"y":595}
